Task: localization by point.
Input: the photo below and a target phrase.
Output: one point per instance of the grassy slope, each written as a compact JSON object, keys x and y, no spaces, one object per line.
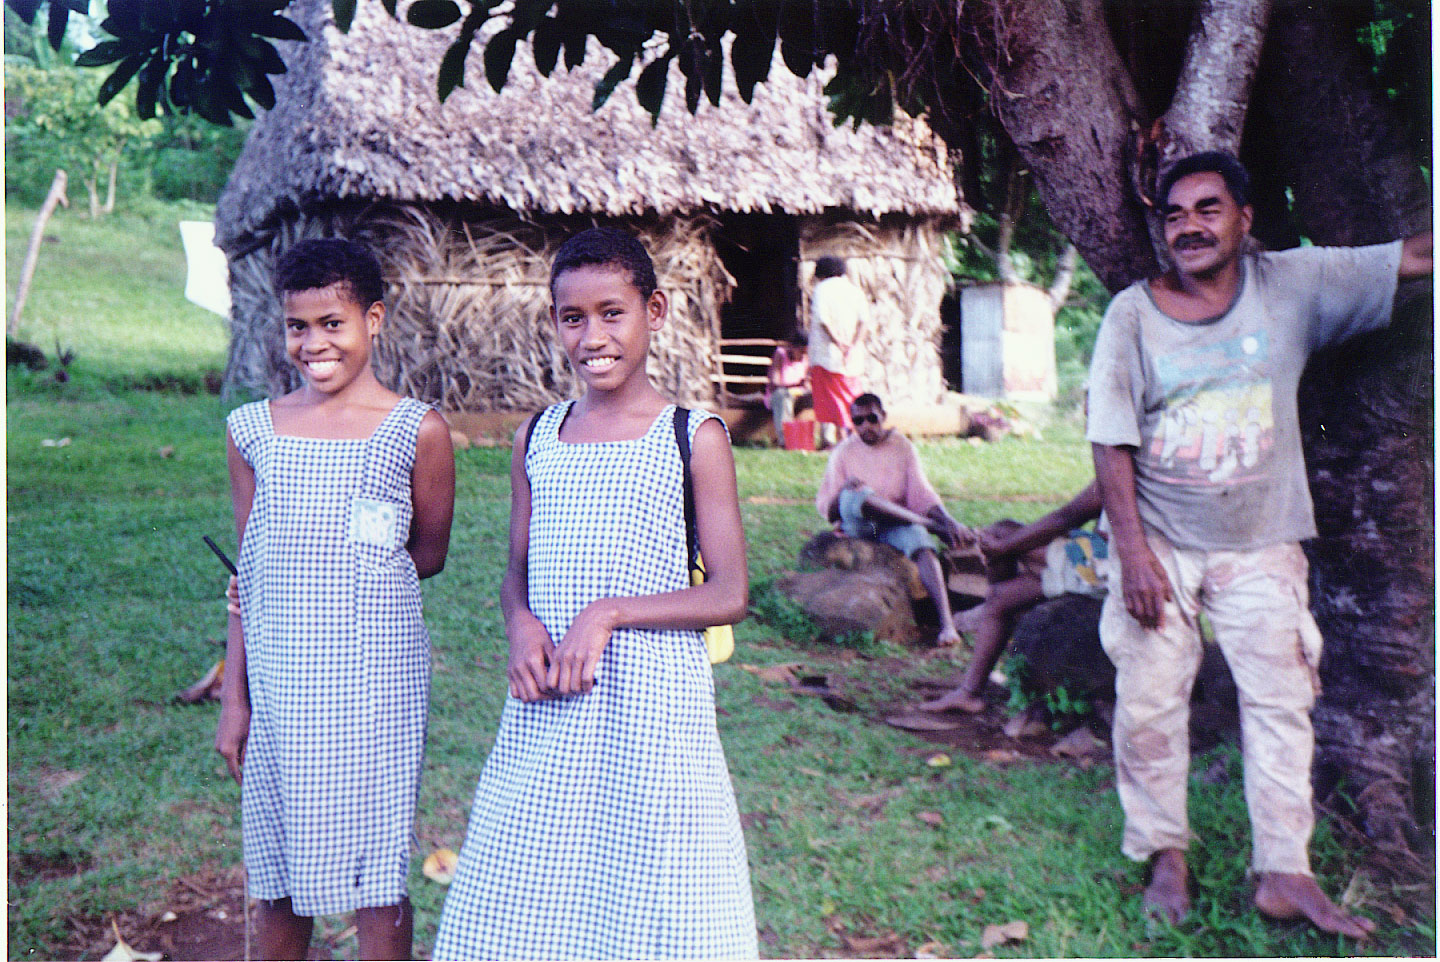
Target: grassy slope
{"x":114,"y":604}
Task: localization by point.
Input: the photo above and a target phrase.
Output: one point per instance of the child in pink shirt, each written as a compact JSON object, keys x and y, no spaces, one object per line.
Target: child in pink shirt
{"x":784,"y":382}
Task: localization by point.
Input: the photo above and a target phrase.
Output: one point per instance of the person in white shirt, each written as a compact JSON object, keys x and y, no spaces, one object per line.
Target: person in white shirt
{"x":839,"y":321}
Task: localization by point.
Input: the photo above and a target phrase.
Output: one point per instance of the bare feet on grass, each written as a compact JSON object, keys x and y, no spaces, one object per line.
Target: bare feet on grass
{"x":958,"y":700}
{"x":947,"y":637}
{"x":1168,"y":894}
{"x":1287,"y":896}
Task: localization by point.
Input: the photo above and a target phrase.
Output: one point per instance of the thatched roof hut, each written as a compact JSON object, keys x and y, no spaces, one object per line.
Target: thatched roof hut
{"x":465,"y":201}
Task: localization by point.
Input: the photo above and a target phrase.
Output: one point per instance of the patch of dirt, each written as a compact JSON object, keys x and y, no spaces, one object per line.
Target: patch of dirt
{"x":982,"y":736}
{"x":27,"y":866}
{"x":202,"y":917}
{"x":54,"y":781}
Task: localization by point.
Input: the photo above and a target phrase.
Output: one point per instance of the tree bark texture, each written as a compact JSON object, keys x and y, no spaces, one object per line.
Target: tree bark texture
{"x":32,"y":251}
{"x":1067,"y":103}
{"x":1366,"y":414}
{"x":1213,"y":93}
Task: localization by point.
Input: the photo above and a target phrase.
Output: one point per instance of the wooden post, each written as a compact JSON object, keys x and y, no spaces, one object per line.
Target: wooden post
{"x":32,"y":253}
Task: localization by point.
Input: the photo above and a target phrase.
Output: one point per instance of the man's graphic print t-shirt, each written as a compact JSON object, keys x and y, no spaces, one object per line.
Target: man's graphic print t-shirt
{"x":1218,"y":426}
{"x":1209,"y":406}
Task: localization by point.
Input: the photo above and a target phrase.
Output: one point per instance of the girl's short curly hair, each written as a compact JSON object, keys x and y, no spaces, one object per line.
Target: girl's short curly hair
{"x":320,"y":262}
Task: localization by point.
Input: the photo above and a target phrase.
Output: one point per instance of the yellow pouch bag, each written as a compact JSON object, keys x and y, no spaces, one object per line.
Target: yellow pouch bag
{"x":719,"y":639}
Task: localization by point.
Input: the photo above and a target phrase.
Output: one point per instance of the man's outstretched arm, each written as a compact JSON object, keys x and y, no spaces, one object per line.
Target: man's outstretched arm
{"x":1081,"y":509}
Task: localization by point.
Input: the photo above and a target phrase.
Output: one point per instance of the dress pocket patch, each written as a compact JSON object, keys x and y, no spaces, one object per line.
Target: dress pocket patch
{"x":373,"y":522}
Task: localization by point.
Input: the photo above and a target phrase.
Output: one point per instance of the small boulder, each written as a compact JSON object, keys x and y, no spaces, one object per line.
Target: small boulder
{"x":846,"y":601}
{"x":831,"y":550}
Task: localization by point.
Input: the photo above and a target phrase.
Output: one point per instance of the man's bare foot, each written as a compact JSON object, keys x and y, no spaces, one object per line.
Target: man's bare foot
{"x":947,"y":637}
{"x":1168,"y":894}
{"x":1288,"y":896}
{"x":958,"y":700}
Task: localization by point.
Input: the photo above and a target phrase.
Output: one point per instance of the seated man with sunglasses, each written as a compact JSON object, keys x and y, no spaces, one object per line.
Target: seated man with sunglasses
{"x":875,"y":488}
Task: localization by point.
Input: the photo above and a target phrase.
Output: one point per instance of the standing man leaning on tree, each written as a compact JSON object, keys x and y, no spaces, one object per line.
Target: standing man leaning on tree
{"x":1193,"y":421}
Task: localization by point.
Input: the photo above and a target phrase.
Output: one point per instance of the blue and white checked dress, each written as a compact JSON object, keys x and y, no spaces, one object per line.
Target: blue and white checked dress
{"x":604,"y":824}
{"x":339,"y":666}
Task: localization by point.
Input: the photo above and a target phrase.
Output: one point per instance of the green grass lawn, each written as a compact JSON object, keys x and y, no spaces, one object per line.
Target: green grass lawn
{"x":116,"y":796}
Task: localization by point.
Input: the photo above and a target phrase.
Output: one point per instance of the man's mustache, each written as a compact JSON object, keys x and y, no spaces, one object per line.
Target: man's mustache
{"x":1193,"y":240}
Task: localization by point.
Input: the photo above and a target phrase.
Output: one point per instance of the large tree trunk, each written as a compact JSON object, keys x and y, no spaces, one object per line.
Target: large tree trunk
{"x":1366,"y":415}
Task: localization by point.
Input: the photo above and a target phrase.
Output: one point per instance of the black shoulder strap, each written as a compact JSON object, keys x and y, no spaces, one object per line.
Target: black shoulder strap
{"x":530,"y":431}
{"x":682,"y":441}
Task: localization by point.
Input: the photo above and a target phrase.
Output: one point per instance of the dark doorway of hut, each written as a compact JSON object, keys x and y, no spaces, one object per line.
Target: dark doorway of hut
{"x":762,"y":254}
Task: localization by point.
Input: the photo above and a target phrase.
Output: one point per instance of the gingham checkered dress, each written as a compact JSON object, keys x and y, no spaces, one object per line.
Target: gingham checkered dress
{"x":339,"y":666}
{"x":604,"y":824}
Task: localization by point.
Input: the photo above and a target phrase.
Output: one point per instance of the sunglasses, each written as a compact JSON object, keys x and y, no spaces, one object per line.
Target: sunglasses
{"x":867,"y":418}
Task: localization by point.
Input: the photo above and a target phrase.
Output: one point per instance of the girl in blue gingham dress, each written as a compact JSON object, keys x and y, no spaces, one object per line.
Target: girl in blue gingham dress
{"x":343,"y":493}
{"x":604,"y":823}
{"x":339,"y":666}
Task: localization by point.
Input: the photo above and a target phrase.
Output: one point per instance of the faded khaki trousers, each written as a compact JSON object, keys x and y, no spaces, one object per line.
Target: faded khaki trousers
{"x":1258,"y":604}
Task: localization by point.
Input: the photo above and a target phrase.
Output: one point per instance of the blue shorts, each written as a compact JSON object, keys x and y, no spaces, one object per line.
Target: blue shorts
{"x":908,"y":539}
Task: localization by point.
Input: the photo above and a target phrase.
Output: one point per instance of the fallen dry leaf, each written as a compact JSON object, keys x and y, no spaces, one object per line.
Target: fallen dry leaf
{"x":54,"y":443}
{"x":124,"y":953}
{"x":921,"y":721}
{"x":888,"y":945}
{"x":1000,"y":934}
{"x":938,"y":760}
{"x":208,"y":687}
{"x":1023,"y":726}
{"x":995,"y":822}
{"x":873,"y":804}
{"x":810,"y":771}
{"x":975,"y":896}
{"x":1001,"y":756}
{"x":440,"y":866}
{"x":169,"y":916}
{"x":933,"y":819}
{"x":782,"y":674}
{"x":1081,"y":743}
{"x":933,"y":950}
{"x":167,"y":451}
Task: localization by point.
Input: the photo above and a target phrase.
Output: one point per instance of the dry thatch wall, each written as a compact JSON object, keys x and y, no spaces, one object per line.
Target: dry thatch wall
{"x":468,"y":306}
{"x":897,"y":263}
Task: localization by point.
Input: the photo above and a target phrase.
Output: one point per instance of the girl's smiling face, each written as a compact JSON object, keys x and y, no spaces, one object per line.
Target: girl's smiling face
{"x":604,"y":324}
{"x":327,"y":335}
